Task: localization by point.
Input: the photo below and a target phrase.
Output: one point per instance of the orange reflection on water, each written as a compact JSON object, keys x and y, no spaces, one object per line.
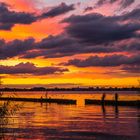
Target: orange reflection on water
{"x":52,"y":121}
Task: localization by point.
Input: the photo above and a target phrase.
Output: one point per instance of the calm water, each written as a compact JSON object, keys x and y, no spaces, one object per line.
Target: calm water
{"x":71,"y":122}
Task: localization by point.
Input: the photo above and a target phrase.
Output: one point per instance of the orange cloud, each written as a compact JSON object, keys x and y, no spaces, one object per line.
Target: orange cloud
{"x":38,"y":30}
{"x":24,"y":5}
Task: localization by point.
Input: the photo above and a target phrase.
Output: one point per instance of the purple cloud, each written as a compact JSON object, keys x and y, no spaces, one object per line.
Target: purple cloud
{"x":89,"y":33}
{"x":131,"y":69}
{"x":122,"y":3}
{"x":30,"y":68}
{"x":9,"y":18}
{"x":58,"y":10}
{"x":106,"y":61}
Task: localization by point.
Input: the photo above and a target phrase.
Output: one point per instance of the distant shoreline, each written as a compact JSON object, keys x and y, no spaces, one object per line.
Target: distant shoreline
{"x":71,"y":89}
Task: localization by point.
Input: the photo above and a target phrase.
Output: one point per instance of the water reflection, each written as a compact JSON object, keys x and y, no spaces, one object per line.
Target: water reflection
{"x":116,"y":111}
{"x":44,"y":121}
{"x":104,"y":110}
{"x":52,"y":121}
{"x":138,"y":117}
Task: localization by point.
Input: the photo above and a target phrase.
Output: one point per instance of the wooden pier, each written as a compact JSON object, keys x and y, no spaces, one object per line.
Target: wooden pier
{"x":42,"y":100}
{"x":112,"y":102}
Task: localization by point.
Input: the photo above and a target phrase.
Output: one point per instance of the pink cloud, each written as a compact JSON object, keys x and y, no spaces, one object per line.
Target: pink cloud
{"x":24,"y":5}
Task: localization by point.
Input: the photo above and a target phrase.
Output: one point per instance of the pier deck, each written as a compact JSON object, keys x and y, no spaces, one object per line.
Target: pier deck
{"x":42,"y":100}
{"x":112,"y":102}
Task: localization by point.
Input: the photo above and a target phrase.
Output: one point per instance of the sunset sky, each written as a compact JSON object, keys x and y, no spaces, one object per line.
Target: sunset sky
{"x":70,"y":42}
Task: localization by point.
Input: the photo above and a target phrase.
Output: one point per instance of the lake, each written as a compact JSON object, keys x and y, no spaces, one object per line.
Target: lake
{"x":71,"y":122}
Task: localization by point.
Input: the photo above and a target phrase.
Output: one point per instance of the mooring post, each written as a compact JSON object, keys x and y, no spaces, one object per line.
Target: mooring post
{"x":116,"y":98}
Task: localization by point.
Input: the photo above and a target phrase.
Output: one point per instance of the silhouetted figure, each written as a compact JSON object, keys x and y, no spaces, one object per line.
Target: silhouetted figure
{"x":103,"y":98}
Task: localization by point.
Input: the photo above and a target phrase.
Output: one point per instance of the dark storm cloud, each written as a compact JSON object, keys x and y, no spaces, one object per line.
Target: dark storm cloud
{"x":98,"y":29}
{"x":58,"y":46}
{"x":131,"y":69}
{"x":61,"y":46}
{"x":51,"y":47}
{"x":58,"y":10}
{"x":88,"y":9}
{"x":83,"y":18}
{"x":133,"y":15}
{"x":122,"y":3}
{"x":131,"y":47}
{"x":102,"y":2}
{"x":106,"y":61}
{"x":126,"y":3}
{"x":6,"y":26}
{"x":9,"y":18}
{"x":89,"y":33}
{"x":30,"y":68}
{"x":15,"y":47}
